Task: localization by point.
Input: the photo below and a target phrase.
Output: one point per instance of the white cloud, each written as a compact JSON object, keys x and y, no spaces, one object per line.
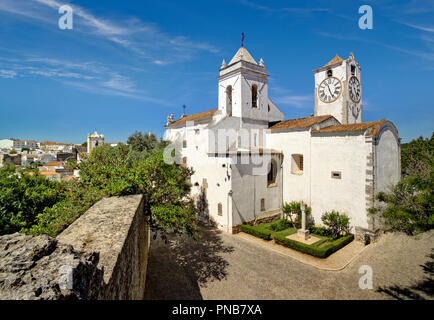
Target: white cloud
{"x":143,"y":39}
{"x":419,"y":27}
{"x":7,"y":74}
{"x":120,"y":83}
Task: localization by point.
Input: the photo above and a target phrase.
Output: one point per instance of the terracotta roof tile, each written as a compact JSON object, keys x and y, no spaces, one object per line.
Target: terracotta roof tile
{"x":374,"y":127}
{"x":55,"y":143}
{"x":197,"y":116}
{"x":53,"y":163}
{"x":300,"y":122}
{"x":48,"y":173}
{"x":335,"y":60}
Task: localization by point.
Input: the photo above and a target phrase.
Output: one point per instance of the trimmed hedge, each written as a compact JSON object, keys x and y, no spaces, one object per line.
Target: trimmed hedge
{"x":321,"y":231}
{"x":257,"y":232}
{"x":313,"y":250}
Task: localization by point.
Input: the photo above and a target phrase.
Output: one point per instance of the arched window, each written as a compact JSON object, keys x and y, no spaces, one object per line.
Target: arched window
{"x":254,"y":96}
{"x":329,"y":73}
{"x":229,"y":100}
{"x":272,"y":174}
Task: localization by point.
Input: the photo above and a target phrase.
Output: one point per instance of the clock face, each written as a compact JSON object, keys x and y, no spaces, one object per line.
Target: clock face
{"x":354,"y":89}
{"x":330,"y":89}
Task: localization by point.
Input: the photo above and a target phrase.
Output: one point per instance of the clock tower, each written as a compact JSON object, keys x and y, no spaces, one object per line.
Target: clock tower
{"x":338,"y":90}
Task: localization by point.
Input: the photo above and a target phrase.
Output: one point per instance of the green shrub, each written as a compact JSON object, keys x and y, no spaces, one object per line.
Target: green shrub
{"x":338,"y":224}
{"x":319,"y":231}
{"x":409,"y":206}
{"x":314,"y":250}
{"x":256,"y":231}
{"x":24,"y":195}
{"x":280,"y":225}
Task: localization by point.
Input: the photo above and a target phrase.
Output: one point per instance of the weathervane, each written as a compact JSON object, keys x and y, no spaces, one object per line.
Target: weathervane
{"x":242,"y":39}
{"x":183,"y":107}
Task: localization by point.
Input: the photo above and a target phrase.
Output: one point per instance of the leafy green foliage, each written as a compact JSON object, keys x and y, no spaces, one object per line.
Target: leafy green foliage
{"x":121,"y":171}
{"x":294,"y":207}
{"x":145,"y":143}
{"x":415,"y":151}
{"x":77,"y":200}
{"x":319,"y":231}
{"x":257,"y":232}
{"x":71,"y":164}
{"x":408,"y":207}
{"x":280,"y":225}
{"x":32,"y":204}
{"x":338,"y":224}
{"x":25,"y":194}
{"x":13,"y":151}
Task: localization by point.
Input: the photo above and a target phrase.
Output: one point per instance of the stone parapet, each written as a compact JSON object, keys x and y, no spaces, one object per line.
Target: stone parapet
{"x":102,"y":255}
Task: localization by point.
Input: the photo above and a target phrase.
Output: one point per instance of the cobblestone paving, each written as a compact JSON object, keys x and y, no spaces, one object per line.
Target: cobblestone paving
{"x":220,"y":266}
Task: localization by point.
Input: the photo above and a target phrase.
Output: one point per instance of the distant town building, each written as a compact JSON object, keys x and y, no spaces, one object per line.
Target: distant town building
{"x":55,"y":146}
{"x":18,"y":144}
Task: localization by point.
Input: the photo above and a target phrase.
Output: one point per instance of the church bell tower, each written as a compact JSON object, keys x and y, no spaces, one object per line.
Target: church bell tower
{"x":338,"y":90}
{"x":243,"y":88}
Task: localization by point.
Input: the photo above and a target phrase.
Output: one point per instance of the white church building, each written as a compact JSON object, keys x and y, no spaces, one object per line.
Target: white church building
{"x":248,"y":161}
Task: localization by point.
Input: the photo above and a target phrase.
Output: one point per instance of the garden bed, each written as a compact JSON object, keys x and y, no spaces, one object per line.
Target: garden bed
{"x":276,"y":230}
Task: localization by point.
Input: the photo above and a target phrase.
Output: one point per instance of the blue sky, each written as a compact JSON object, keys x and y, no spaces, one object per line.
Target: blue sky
{"x":127,"y":64}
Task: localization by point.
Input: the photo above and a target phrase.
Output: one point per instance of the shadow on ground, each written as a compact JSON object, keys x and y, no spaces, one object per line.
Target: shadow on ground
{"x":176,"y":270}
{"x":421,"y":290}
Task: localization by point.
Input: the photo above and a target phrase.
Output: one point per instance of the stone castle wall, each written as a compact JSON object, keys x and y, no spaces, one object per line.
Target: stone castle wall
{"x":102,"y":255}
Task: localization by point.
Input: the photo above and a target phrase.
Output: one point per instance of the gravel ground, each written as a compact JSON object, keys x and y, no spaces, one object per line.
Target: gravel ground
{"x":221,"y":266}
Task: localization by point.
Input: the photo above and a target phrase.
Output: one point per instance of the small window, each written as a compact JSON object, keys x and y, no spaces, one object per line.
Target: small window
{"x":220,"y":209}
{"x":196,"y":131}
{"x":353,"y":70}
{"x":297,"y":166}
{"x":254,"y":96}
{"x":229,"y":100}
{"x":269,"y":108}
{"x":184,"y":160}
{"x":262,"y":204}
{"x":272,"y":173}
{"x":336,"y":175}
{"x":329,"y":73}
{"x":184,"y":144}
{"x":255,"y":139}
{"x":196,"y":184}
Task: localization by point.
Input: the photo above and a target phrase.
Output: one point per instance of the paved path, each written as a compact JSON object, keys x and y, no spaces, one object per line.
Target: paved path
{"x":223,"y":266}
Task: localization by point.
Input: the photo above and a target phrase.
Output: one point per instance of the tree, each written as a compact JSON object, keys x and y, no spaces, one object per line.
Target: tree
{"x":409,"y":206}
{"x":71,"y":164}
{"x":416,"y":150}
{"x":121,"y":171}
{"x":143,"y":142}
{"x":13,"y":151}
{"x":338,"y":224}
{"x":294,"y":208}
{"x":24,"y":195}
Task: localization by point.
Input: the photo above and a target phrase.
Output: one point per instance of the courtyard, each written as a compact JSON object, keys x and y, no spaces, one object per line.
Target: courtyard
{"x":224,"y":266}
